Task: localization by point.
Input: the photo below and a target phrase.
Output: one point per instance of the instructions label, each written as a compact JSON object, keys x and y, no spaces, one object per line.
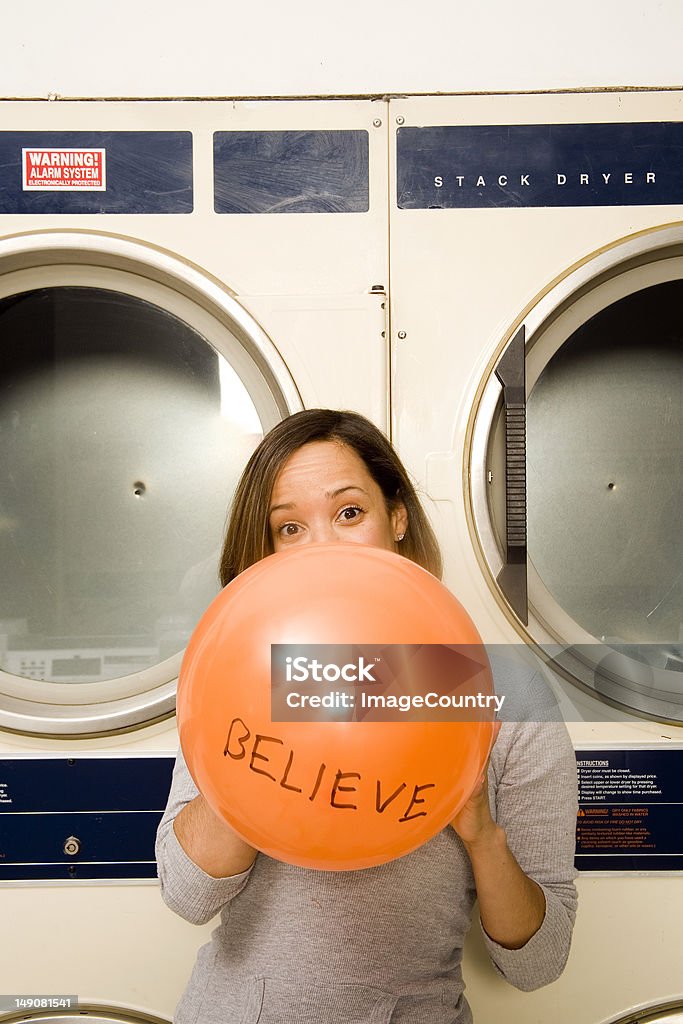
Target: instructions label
{"x":630,"y":810}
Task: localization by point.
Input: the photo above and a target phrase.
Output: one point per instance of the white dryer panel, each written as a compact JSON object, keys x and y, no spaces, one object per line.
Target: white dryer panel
{"x":116,"y":944}
{"x":463,"y":281}
{"x":287,"y":310}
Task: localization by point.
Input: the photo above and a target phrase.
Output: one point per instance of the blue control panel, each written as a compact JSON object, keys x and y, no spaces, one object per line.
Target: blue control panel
{"x":81,"y":817}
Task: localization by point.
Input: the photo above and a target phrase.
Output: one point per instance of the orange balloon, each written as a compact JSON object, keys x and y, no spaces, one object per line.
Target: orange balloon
{"x":354,"y":789}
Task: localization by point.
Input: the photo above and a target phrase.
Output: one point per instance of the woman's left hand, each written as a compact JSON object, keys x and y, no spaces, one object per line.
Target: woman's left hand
{"x":511,"y":905}
{"x":474,"y":822}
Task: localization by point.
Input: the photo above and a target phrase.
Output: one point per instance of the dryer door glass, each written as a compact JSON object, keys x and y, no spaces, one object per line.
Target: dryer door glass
{"x":123,"y":432}
{"x":605,"y":487}
{"x":605,"y":492}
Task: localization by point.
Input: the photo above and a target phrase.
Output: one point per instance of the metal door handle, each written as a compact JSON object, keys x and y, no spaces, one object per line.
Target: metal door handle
{"x":512,"y":578}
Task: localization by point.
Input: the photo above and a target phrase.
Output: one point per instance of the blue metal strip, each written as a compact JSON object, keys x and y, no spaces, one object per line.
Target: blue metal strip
{"x":145,"y":172}
{"x":110,"y":783}
{"x":291,"y":172}
{"x":76,"y":872}
{"x":112,"y":805}
{"x":553,"y":165}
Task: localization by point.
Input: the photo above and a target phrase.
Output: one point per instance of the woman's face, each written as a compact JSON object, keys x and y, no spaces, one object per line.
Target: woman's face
{"x":324,"y":492}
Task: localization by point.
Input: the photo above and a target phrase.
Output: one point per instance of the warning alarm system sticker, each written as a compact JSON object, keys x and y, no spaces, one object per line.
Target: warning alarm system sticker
{"x":96,"y":172}
{"x":57,"y":170}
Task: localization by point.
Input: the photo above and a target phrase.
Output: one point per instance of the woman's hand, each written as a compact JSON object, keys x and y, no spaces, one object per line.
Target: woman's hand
{"x":511,"y":905}
{"x":474,"y":822}
{"x":210,"y":842}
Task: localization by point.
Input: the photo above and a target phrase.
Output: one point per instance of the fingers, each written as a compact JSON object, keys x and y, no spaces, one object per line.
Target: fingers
{"x":494,"y":737}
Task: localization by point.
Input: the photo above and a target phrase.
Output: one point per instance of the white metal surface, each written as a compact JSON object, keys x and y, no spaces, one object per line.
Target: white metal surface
{"x":396,"y":47}
{"x":462,"y":281}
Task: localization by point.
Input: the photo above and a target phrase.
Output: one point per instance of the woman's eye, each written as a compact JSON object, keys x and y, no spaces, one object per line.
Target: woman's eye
{"x":288,"y":530}
{"x":351,"y":512}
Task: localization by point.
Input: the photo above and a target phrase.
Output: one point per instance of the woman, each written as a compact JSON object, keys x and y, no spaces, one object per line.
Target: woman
{"x":297,"y":946}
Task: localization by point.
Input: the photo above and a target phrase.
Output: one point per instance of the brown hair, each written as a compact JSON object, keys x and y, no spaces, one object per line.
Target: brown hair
{"x":247,"y":536}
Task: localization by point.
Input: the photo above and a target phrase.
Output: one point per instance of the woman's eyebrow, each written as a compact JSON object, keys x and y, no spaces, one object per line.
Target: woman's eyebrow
{"x":340,"y":490}
{"x":328,"y":494}
{"x":276,"y":508}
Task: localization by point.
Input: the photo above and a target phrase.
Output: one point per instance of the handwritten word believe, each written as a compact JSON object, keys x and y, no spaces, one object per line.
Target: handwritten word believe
{"x":240,"y":742}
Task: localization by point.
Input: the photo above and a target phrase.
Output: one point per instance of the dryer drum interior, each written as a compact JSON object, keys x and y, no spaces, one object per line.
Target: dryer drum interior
{"x":127,"y":411}
{"x":580,"y":520}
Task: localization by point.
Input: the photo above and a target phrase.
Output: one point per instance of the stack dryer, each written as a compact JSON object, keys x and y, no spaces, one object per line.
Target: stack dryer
{"x":537,"y":275}
{"x":175,"y":277}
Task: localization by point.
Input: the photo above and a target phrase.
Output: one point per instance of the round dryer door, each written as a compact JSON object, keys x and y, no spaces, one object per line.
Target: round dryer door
{"x":82,"y":1013}
{"x":132,"y":392}
{"x":664,"y":1013}
{"x":580,"y":513}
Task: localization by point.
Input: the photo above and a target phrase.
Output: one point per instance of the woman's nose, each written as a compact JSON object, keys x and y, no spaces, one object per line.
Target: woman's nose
{"x":321,"y":533}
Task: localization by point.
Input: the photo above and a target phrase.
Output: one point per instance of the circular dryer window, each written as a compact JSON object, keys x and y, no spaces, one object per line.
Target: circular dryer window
{"x":580,"y":520}
{"x":127,"y":412}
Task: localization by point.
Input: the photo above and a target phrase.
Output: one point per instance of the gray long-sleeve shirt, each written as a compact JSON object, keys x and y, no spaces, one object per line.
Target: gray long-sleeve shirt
{"x":297,"y":946}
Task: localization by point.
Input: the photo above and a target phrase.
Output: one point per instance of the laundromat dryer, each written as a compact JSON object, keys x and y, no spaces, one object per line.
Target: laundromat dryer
{"x":537,"y":376}
{"x":175,"y":278}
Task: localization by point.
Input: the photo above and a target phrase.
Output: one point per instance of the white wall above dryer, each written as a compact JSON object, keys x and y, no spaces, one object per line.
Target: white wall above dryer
{"x":311,"y":49}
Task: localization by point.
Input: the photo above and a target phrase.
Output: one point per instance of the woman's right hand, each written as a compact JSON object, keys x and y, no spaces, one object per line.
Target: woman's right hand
{"x":210,"y":842}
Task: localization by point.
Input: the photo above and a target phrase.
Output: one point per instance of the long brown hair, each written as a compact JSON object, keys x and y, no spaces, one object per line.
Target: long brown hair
{"x":247,"y":536}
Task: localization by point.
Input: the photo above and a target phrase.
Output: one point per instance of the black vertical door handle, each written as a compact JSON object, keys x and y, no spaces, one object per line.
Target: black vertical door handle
{"x":512,"y":578}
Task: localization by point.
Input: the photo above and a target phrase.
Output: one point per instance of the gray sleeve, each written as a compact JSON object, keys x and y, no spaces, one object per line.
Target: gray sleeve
{"x":534,"y":770}
{"x":185,"y":887}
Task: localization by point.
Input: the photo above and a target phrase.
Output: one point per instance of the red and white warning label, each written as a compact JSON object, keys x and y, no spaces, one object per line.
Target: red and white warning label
{"x":53,"y":170}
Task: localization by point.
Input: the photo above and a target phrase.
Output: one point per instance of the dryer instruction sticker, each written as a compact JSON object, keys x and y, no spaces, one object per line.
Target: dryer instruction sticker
{"x":630,"y":810}
{"x":54,"y":169}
